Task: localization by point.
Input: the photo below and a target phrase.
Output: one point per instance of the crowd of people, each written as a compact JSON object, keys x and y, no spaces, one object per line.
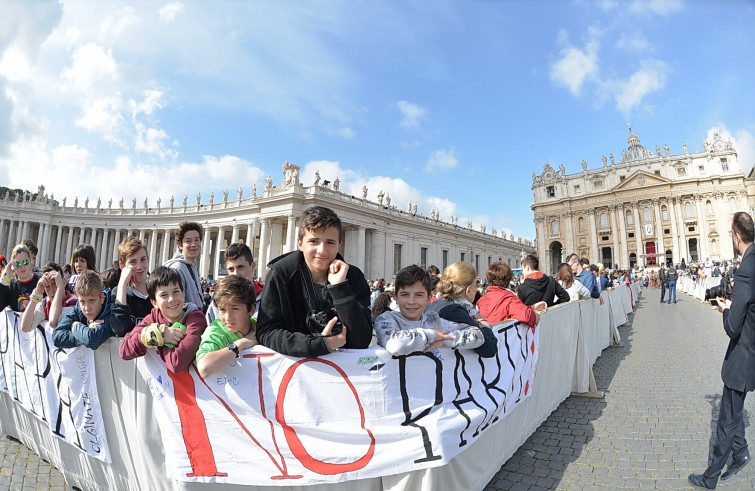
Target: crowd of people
{"x":311,"y":303}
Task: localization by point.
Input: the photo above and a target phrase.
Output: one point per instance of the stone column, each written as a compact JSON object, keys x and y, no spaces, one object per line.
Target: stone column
{"x":250,"y":235}
{"x":660,"y":246}
{"x":624,"y":257}
{"x":3,"y":236}
{"x":702,"y":241}
{"x":682,"y":229}
{"x":47,"y":239}
{"x":142,"y":234}
{"x":69,"y":245}
{"x":167,"y":246}
{"x":113,"y":252}
{"x":235,"y":233}
{"x":204,"y":261}
{"x":153,"y":238}
{"x":58,"y":244}
{"x":290,"y":233}
{"x":104,"y":247}
{"x":377,"y":255}
{"x":743,"y":206}
{"x":24,"y":231}
{"x":263,"y":256}
{"x":276,"y":239}
{"x":615,"y":234}
{"x":361,"y":242}
{"x":40,"y":241}
{"x":638,"y":233}
{"x":569,"y":243}
{"x":595,"y":252}
{"x":219,"y":247}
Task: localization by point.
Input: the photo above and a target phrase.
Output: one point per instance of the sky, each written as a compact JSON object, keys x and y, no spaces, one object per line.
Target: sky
{"x":449,"y":104}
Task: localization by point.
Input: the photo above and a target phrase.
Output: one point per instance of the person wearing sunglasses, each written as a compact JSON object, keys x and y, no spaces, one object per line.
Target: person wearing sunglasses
{"x":18,"y":281}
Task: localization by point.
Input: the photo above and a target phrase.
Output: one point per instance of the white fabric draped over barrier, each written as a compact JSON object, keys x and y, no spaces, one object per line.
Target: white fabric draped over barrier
{"x":697,"y":288}
{"x":133,"y":427}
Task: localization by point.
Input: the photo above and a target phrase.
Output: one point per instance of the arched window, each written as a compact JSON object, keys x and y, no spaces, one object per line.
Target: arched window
{"x":646,"y":214}
{"x":604,"y":220}
{"x":733,"y":204}
{"x":664,"y":213}
{"x":688,"y":210}
{"x":630,"y":218}
{"x":554,"y":227}
{"x":708,"y":208}
{"x":581,"y":224}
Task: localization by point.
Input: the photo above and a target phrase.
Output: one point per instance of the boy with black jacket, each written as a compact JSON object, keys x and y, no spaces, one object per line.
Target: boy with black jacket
{"x":538,"y":286}
{"x":305,"y":287}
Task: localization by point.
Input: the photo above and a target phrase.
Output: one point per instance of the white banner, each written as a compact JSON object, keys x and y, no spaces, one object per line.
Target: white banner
{"x":270,"y":419}
{"x":56,"y":385}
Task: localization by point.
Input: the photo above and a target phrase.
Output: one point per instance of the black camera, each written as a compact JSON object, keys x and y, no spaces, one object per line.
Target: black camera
{"x":722,"y":290}
{"x":316,"y":321}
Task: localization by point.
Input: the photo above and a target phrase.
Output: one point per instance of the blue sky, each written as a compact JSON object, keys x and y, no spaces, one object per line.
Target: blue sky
{"x":450,"y":104}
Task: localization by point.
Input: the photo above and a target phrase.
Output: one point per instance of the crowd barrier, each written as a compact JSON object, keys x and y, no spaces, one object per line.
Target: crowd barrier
{"x":697,"y":287}
{"x":572,"y":337}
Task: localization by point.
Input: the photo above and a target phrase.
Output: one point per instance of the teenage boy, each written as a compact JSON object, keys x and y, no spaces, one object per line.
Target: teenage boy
{"x":175,"y":347}
{"x":49,"y":300}
{"x":233,"y":331}
{"x":132,"y":302}
{"x":314,"y":280}
{"x":89,"y":322}
{"x":18,"y":280}
{"x":538,"y":287}
{"x":413,"y":329}
{"x":239,"y":261}
{"x":186,"y":261}
{"x":584,"y":275}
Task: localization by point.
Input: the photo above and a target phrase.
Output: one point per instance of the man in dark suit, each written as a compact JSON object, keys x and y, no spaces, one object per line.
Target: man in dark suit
{"x":662,"y":279}
{"x":738,"y":370}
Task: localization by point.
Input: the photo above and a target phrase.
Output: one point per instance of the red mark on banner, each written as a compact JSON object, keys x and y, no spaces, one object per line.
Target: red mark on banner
{"x":532,"y":347}
{"x":193,"y":427}
{"x":533,"y":329}
{"x":295,"y":443}
{"x":526,"y":387}
{"x":282,"y":466}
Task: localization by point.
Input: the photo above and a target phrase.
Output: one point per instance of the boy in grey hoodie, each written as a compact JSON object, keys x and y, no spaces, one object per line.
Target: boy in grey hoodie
{"x":413,"y":329}
{"x":186,"y":261}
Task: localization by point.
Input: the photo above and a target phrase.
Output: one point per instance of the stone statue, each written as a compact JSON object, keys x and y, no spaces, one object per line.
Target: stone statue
{"x":159,"y":200}
{"x":605,"y":161}
{"x":409,"y":206}
{"x":469,"y":224}
{"x":511,"y":237}
{"x":414,"y":208}
{"x":185,"y":199}
{"x":64,"y":199}
{"x":212,"y":198}
{"x":611,"y":157}
{"x":40,"y":193}
{"x":225,"y":196}
{"x":380,"y":197}
{"x":562,"y":169}
{"x":52,"y":198}
{"x":482,"y":228}
{"x":76,"y":202}
{"x":99,"y":202}
{"x":239,"y":192}
{"x":133,"y":203}
{"x":121,"y":203}
{"x":684,"y":147}
{"x":364,"y":192}
{"x":623,"y":155}
{"x":110,"y":204}
{"x":268,"y":184}
{"x":254,"y":191}
{"x":317,"y":177}
{"x":146,"y":203}
{"x":666,"y":149}
{"x":172,"y":200}
{"x":387,"y":200}
{"x":337,"y":184}
{"x":658,"y":151}
{"x":454,"y":220}
{"x":432,"y":213}
{"x":199,"y":198}
{"x":584,"y":165}
{"x":86,"y":203}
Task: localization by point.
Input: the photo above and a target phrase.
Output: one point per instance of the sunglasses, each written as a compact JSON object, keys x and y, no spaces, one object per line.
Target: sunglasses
{"x":20,"y":264}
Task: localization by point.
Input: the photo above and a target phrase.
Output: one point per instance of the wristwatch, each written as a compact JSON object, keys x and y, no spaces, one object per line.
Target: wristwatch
{"x":234,"y":348}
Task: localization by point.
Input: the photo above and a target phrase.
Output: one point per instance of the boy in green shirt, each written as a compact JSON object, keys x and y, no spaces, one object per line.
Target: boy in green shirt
{"x":233,"y":331}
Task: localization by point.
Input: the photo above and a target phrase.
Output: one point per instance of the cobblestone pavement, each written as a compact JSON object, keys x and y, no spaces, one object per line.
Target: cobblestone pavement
{"x":24,"y":470}
{"x":653,"y":428}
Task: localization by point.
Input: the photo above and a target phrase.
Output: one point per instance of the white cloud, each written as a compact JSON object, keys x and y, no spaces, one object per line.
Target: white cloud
{"x":576,"y":66}
{"x":659,"y":7}
{"x":153,"y":100}
{"x":442,"y":159}
{"x":152,"y":141}
{"x":103,"y":116}
{"x":649,"y":78}
{"x":90,"y":64}
{"x":412,"y":115}
{"x":169,"y":12}
{"x":634,"y":42}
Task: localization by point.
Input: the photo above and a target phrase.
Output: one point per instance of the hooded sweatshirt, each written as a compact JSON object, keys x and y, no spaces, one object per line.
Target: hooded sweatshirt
{"x":539,"y":287}
{"x":190,"y":278}
{"x":73,"y":330}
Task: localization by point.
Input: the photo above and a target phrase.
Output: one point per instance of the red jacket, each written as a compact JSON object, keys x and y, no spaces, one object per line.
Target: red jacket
{"x":177,"y":359}
{"x":499,"y":304}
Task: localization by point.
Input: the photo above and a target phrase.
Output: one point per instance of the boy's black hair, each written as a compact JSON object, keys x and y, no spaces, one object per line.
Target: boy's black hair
{"x":52,"y":266}
{"x":319,"y":217}
{"x":184,"y":227}
{"x":110,"y":277}
{"x":410,"y":275}
{"x":87,"y":252}
{"x":238,"y":250}
{"x":163,"y":276}
{"x":532,"y":262}
{"x":433,"y":270}
{"x":235,"y":287}
{"x":67,"y":269}
{"x":31,"y":246}
{"x":743,"y":225}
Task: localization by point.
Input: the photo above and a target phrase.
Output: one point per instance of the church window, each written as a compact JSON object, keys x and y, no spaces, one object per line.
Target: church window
{"x":724,"y":164}
{"x":554,"y":227}
{"x":646,"y":214}
{"x":604,"y":220}
{"x":682,"y":171}
{"x":551,"y":191}
{"x":598,"y":183}
{"x":581,"y":223}
{"x":708,"y":208}
{"x":664,"y":213}
{"x":688,"y":210}
{"x":630,"y":219}
{"x":733,"y":205}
